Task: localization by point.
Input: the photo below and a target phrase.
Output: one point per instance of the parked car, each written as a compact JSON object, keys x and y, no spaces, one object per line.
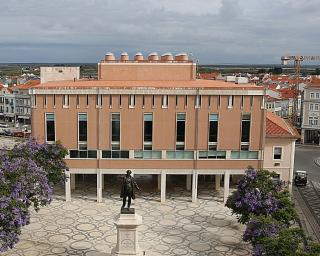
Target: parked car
{"x":300,"y":178}
{"x":7,"y":132}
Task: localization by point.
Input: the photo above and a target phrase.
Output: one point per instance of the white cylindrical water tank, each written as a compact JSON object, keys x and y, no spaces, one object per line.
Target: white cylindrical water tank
{"x":109,"y":56}
{"x":153,"y":56}
{"x":181,"y":57}
{"x":124,"y":56}
{"x":138,"y":56}
{"x":167,"y":56}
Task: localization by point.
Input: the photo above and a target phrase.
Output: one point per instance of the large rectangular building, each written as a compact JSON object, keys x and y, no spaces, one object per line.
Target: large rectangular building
{"x":154,"y":117}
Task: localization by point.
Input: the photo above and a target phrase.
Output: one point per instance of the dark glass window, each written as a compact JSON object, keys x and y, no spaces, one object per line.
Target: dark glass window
{"x":153,"y":100}
{"x":245,"y":128}
{"x":213,"y":128}
{"x":54,"y":100}
{"x":87,"y":103}
{"x":78,"y":100}
{"x":50,"y":127}
{"x":181,"y":120}
{"x":83,"y":136}
{"x":147,"y":127}
{"x":115,"y":127}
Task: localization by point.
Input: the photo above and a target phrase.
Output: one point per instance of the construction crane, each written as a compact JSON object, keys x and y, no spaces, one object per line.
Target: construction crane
{"x":297,"y":67}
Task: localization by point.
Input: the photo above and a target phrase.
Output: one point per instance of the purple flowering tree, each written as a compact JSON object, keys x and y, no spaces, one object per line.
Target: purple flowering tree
{"x":27,"y":175}
{"x":258,"y":194}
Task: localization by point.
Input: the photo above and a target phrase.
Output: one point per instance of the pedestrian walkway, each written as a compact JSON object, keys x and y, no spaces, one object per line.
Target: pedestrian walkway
{"x":176,"y":227}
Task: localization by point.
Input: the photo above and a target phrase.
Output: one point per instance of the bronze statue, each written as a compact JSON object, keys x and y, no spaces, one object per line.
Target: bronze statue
{"x":128,"y":189}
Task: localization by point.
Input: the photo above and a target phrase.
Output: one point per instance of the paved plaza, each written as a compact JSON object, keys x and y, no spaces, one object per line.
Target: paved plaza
{"x":176,"y":227}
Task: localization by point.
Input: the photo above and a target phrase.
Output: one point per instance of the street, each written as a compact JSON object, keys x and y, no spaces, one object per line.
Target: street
{"x":308,"y":197}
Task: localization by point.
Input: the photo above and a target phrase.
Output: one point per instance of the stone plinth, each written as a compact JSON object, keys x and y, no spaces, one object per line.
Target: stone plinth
{"x":127,"y":235}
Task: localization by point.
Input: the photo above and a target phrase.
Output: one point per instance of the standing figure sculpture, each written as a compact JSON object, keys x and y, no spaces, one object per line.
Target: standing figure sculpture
{"x":127,"y":190}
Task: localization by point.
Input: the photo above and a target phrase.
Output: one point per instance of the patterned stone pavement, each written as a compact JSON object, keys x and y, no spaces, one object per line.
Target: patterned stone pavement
{"x":177,"y":227}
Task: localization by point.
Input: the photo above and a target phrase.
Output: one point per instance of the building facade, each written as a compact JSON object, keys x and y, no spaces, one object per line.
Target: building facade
{"x":154,"y":117}
{"x":310,"y":126}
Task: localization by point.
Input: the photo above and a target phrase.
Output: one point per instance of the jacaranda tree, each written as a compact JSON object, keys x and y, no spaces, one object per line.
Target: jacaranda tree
{"x":28,"y":173}
{"x":265,"y":206}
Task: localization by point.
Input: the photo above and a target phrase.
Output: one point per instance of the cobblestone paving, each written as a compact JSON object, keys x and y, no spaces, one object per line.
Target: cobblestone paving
{"x":311,"y":195}
{"x":177,"y":227}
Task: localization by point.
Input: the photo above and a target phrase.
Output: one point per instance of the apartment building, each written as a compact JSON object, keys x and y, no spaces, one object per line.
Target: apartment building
{"x":310,"y":126}
{"x":152,"y":116}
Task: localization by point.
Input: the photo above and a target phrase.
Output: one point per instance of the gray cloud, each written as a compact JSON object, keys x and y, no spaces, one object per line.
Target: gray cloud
{"x":215,"y":31}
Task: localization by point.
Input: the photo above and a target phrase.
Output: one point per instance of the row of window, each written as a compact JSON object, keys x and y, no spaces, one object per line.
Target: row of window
{"x":132,"y":100}
{"x":314,"y":95}
{"x":148,"y":130}
{"x":157,"y":154}
{"x":313,"y":120}
{"x":313,"y":107}
{"x":171,"y":154}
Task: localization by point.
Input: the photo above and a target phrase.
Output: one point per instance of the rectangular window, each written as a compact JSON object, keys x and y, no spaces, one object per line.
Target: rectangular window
{"x":230,"y":101}
{"x":98,"y":100}
{"x":66,"y":100}
{"x":50,"y":127}
{"x":186,"y":101}
{"x":153,"y":101}
{"x":245,"y":128}
{"x":82,"y":130}
{"x":219,"y":101}
{"x":132,"y":101}
{"x":311,"y":95}
{"x":316,"y":107}
{"x":317,"y":95}
{"x":78,"y":101}
{"x":242,"y":99}
{"x":311,"y":107}
{"x":87,"y":100}
{"x":164,"y":101}
{"x":33,"y":99}
{"x":213,"y":131}
{"x":120,"y":101}
{"x":251,"y":101}
{"x":54,"y":100}
{"x":143,"y":101}
{"x":262,"y":102}
{"x":209,"y":101}
{"x":198,"y":101}
{"x":115,"y":129}
{"x":110,"y":101}
{"x":45,"y":101}
{"x":180,"y":132}
{"x":277,"y":153}
{"x":177,"y":100}
{"x":147,"y":136}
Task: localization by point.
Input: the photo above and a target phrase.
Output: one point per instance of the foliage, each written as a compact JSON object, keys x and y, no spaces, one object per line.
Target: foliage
{"x":266,"y":208}
{"x":27,"y":174}
{"x":258,"y":194}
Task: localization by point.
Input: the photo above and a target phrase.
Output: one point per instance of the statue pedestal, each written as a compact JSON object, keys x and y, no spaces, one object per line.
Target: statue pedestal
{"x":127,"y":238}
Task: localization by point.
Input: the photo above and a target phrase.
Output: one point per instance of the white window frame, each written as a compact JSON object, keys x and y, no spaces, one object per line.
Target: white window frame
{"x":66,"y":101}
{"x":316,"y":107}
{"x":132,"y":101}
{"x":164,"y":101}
{"x":317,"y":95}
{"x":311,"y":107}
{"x":198,"y":101}
{"x":230,"y":101}
{"x":281,"y":158}
{"x":181,"y":143}
{"x":311,"y":95}
{"x":82,"y":142}
{"x":148,"y":143}
{"x":45,"y":126}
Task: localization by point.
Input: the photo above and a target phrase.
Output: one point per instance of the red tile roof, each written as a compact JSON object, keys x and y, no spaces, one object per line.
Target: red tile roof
{"x":277,"y":127}
{"x":198,"y":83}
{"x":28,"y":84}
{"x":287,"y":93}
{"x":211,"y":75}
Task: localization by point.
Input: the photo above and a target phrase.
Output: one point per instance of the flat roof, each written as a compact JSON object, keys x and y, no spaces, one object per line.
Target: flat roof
{"x":198,"y":83}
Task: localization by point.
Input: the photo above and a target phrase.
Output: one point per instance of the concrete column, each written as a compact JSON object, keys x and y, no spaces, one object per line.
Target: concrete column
{"x":99,"y":186}
{"x":73,"y":181}
{"x":189,"y":180}
{"x":159,"y":181}
{"x":194,"y":186}
{"x":293,"y":148}
{"x":226,"y":186}
{"x":163,"y":186}
{"x":102,"y":181}
{"x":68,"y":186}
{"x":218,"y":181}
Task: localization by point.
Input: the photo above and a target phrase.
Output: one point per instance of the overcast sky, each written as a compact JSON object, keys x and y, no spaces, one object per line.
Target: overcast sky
{"x":215,"y":31}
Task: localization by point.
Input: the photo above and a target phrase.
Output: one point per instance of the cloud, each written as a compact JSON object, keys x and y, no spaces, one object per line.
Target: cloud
{"x":215,"y":31}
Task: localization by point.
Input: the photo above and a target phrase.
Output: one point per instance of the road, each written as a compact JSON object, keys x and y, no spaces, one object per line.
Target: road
{"x":305,"y":160}
{"x":308,"y":197}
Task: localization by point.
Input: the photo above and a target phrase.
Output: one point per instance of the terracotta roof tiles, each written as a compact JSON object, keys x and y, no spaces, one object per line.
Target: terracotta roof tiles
{"x":278,"y":127}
